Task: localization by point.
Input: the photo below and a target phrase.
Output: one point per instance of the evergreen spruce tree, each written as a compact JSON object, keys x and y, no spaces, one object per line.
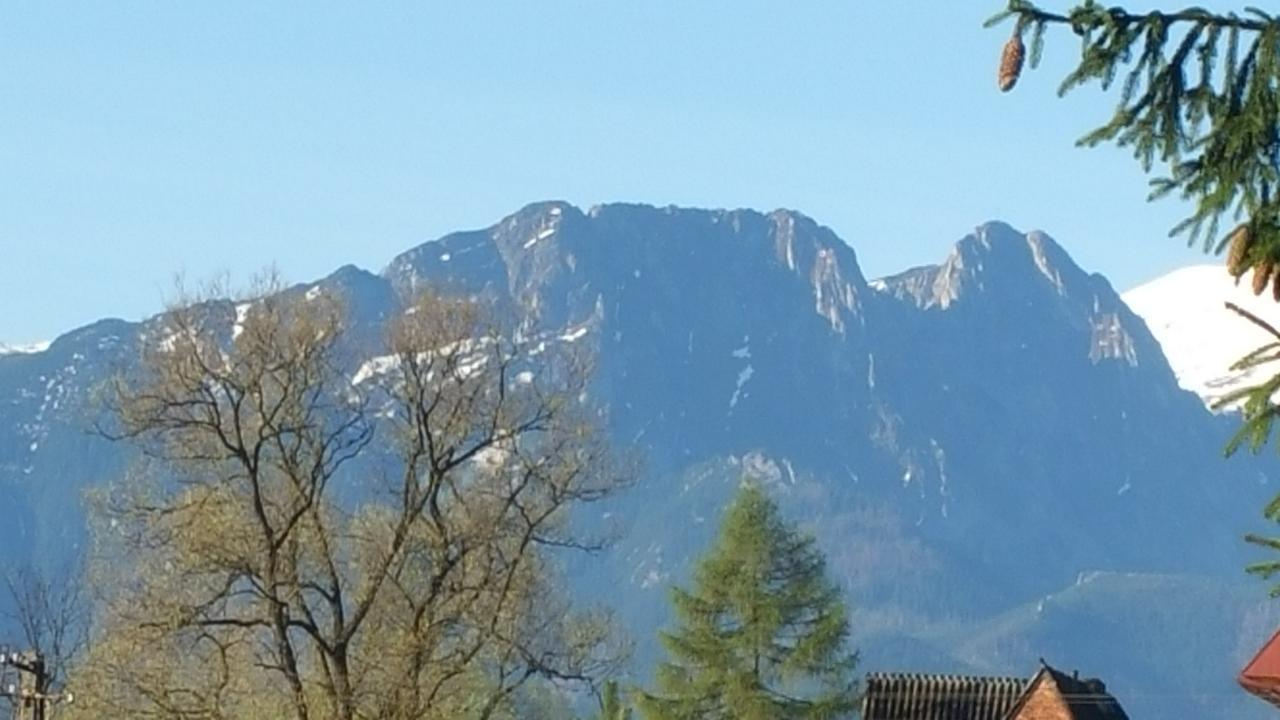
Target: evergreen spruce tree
{"x":762,"y":633}
{"x":612,"y":706}
{"x":1200,"y":96}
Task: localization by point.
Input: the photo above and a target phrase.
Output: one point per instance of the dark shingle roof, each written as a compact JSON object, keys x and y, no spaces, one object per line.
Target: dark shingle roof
{"x":910,"y":696}
{"x":913,"y":696}
{"x":1087,"y":699}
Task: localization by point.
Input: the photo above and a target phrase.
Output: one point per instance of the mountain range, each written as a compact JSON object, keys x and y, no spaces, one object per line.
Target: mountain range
{"x":994,"y":452}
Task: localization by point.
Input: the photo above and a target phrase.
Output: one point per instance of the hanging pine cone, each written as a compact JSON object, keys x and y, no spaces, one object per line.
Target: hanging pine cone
{"x":1275,"y":288}
{"x":1011,"y":63}
{"x":1238,"y":251}
{"x":1262,"y":275}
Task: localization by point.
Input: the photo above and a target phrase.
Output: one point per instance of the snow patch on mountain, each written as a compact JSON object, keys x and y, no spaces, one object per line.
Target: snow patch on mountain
{"x":1185,"y":311}
{"x":743,"y":376}
{"x":242,"y":314}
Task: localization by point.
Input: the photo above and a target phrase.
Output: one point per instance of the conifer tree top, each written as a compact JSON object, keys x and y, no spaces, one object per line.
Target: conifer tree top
{"x":762,"y":633}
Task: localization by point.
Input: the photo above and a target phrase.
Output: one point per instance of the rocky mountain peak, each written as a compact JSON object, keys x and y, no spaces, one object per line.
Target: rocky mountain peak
{"x":994,"y":258}
{"x":547,"y":251}
{"x":1030,"y":279}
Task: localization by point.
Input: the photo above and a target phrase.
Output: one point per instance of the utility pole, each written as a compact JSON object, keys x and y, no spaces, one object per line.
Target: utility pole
{"x":29,"y":696}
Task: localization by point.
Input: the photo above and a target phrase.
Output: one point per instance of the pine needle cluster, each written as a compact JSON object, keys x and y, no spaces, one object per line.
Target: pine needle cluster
{"x":1198,"y":96}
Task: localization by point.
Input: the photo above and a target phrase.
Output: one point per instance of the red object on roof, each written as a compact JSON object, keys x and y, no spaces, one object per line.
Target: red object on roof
{"x":1262,"y":675}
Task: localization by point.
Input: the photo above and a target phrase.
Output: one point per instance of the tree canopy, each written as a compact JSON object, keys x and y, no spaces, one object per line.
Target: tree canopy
{"x":762,"y":633}
{"x":301,"y":541}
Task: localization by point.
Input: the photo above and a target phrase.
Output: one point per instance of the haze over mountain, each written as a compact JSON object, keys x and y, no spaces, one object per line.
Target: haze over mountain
{"x":993,"y":451}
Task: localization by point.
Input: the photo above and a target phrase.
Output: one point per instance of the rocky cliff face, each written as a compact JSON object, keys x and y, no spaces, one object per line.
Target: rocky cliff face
{"x":964,"y":439}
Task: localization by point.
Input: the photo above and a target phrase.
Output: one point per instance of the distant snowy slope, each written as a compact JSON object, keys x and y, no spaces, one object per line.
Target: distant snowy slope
{"x":1200,"y":337}
{"x":6,"y":349}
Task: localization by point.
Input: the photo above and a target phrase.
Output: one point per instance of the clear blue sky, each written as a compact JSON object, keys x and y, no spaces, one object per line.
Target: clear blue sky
{"x":142,"y":139}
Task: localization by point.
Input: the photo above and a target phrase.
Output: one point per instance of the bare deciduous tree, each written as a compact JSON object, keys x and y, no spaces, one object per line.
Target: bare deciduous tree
{"x":307,"y":540}
{"x":50,"y":613}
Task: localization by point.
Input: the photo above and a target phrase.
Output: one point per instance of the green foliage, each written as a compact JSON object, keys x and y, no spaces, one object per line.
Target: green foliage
{"x":612,"y":705}
{"x":1259,"y":412}
{"x":1198,"y":96}
{"x":762,"y":634}
{"x":1265,"y":569}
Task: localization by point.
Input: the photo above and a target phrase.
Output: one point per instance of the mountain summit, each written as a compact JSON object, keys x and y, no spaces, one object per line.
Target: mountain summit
{"x":548,"y":249}
{"x":994,"y":252}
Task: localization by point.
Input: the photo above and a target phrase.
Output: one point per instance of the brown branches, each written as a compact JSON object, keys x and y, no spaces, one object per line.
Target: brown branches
{"x":52,"y":612}
{"x":266,"y":544}
{"x":1268,"y":327}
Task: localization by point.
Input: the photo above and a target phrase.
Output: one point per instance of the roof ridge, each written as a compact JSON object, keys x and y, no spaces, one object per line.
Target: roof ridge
{"x":896,"y":674}
{"x":938,"y":696}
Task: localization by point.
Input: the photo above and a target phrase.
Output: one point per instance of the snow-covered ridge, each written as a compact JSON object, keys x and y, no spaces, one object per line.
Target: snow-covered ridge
{"x":1200,"y":337}
{"x":27,"y":349}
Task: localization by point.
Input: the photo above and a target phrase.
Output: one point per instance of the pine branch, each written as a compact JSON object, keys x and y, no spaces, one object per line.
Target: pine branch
{"x":1268,"y":327}
{"x":1167,"y":99}
{"x":1122,"y":17}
